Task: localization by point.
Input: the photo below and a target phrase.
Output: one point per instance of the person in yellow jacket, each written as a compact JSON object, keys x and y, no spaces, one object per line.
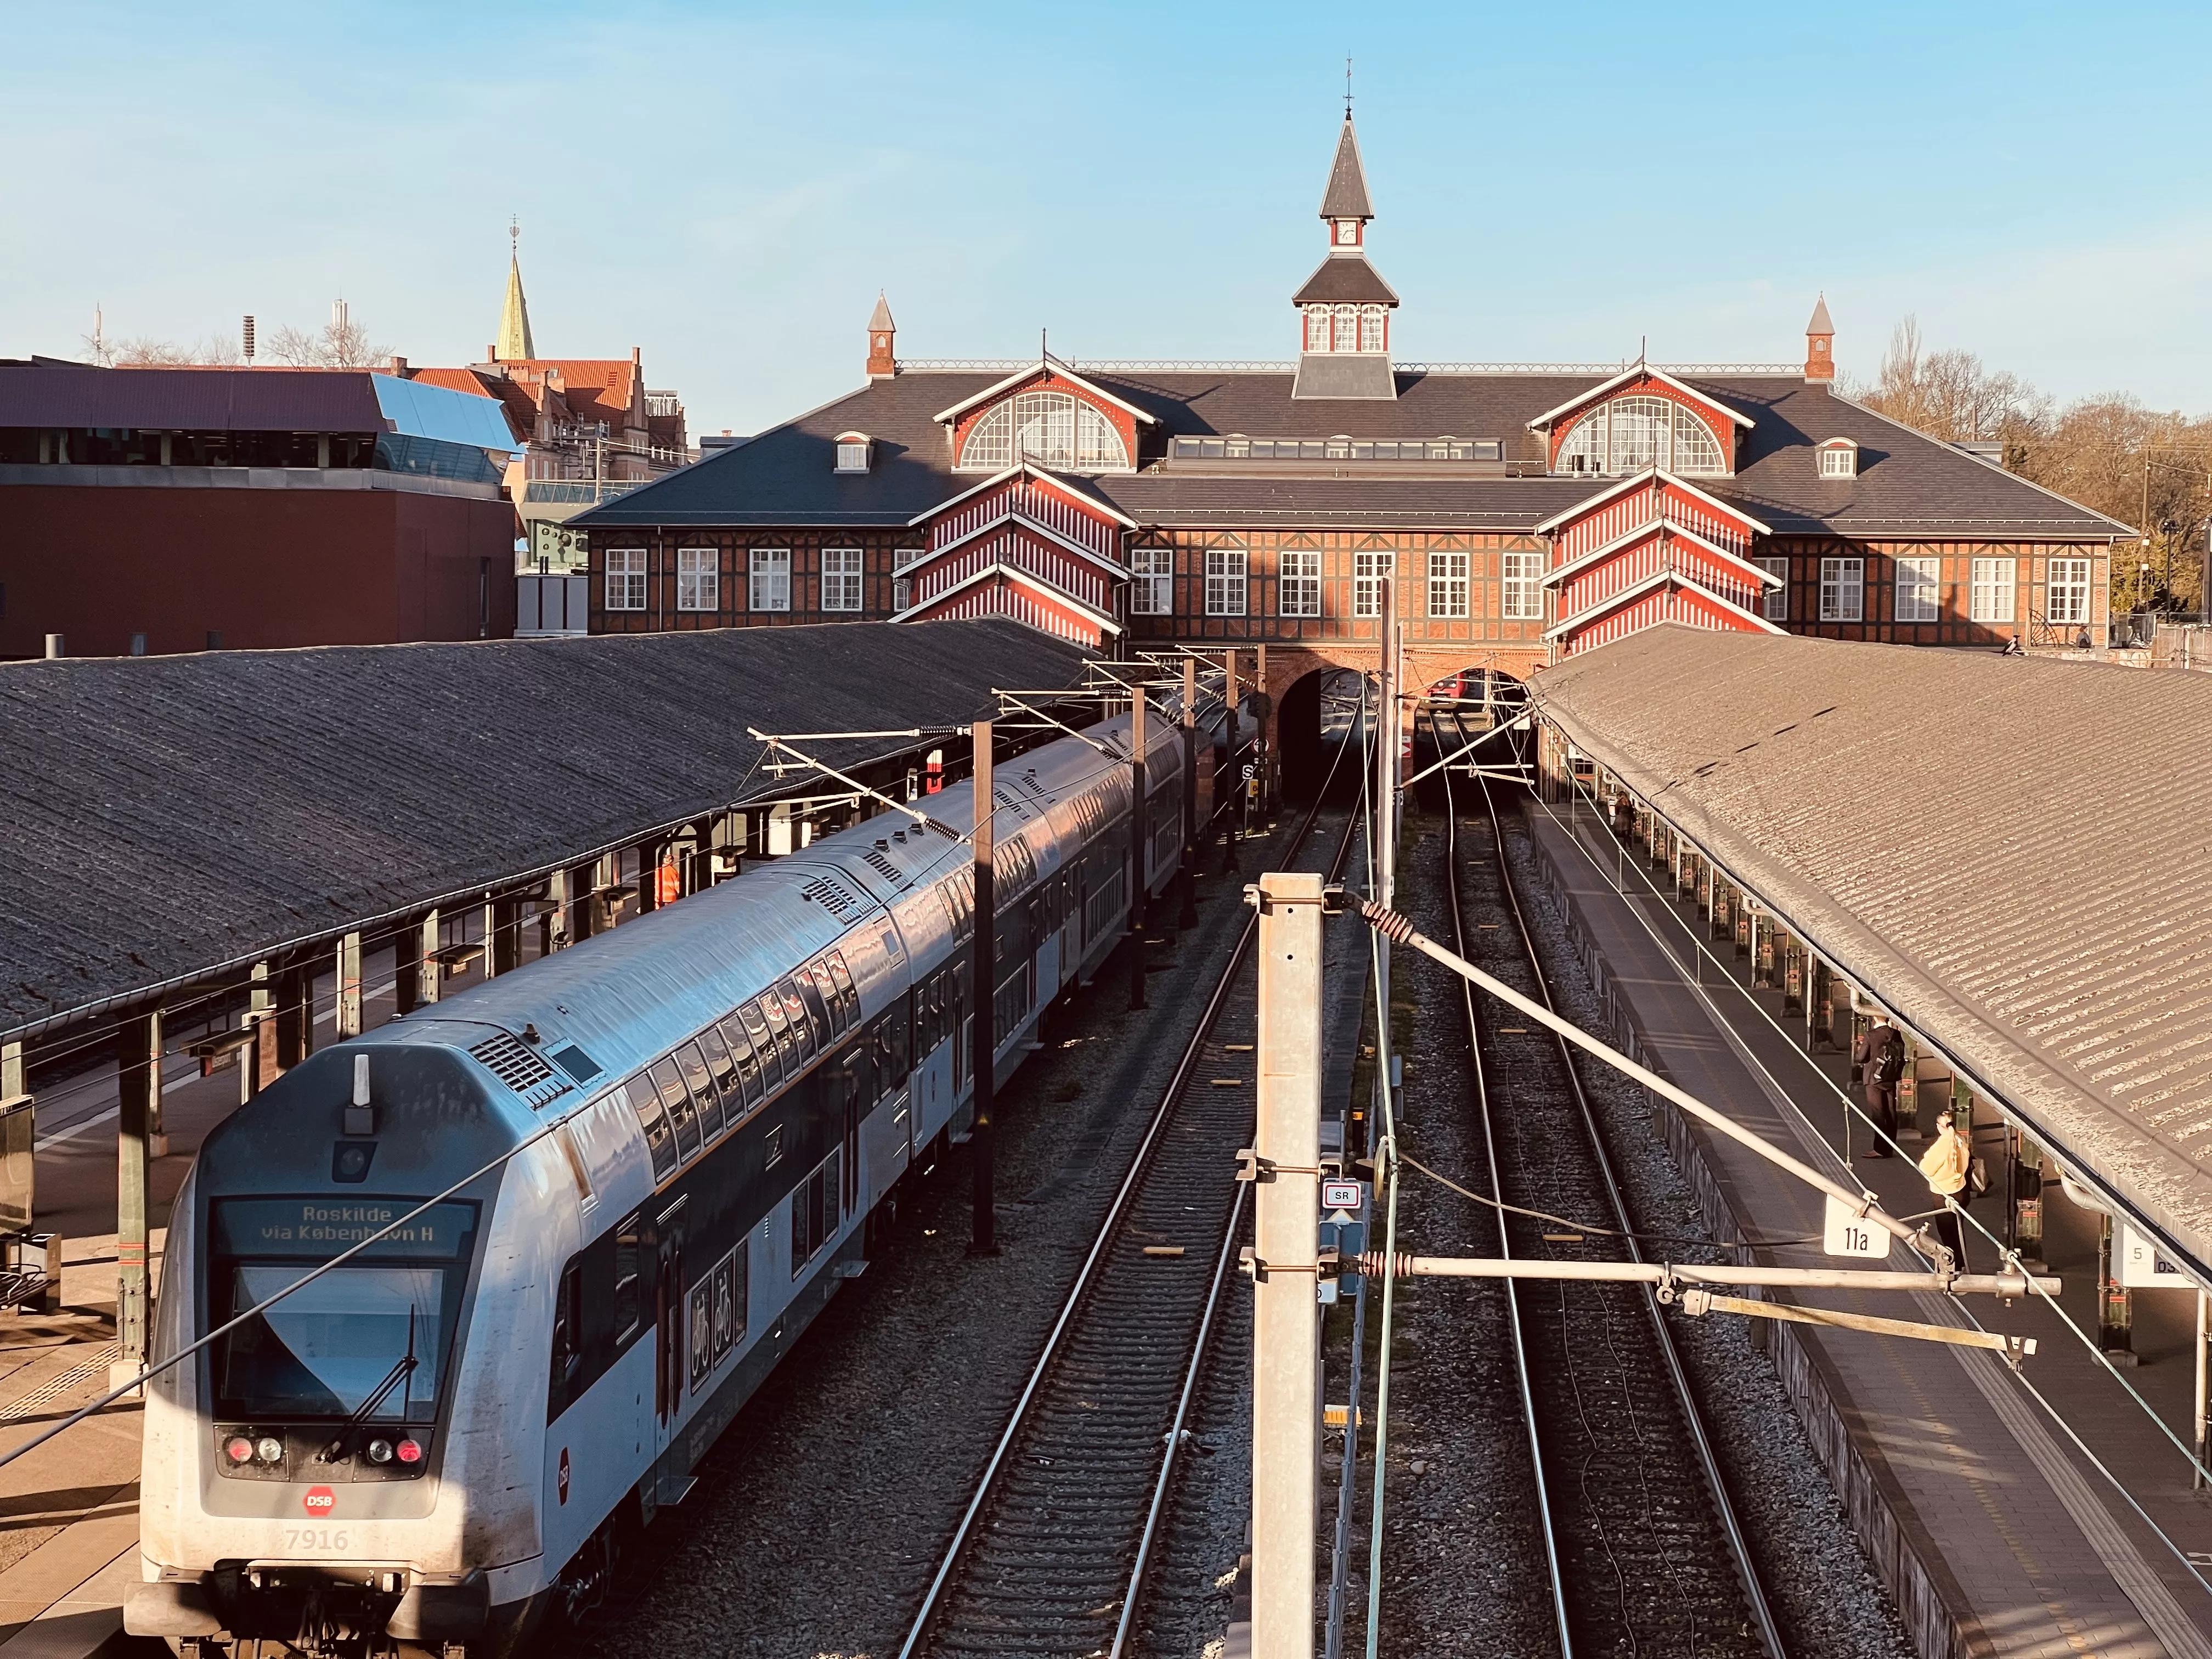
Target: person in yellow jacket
{"x":1946,"y":1165}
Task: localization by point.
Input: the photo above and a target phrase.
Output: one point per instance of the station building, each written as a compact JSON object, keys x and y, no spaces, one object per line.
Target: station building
{"x":1523,"y":513}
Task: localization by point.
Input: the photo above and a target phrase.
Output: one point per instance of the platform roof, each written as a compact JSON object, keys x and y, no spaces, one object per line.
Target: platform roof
{"x":170,"y":817}
{"x":2014,"y":855}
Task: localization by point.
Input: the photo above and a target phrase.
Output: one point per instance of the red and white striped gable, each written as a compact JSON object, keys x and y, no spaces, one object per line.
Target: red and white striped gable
{"x":1653,"y":549}
{"x":1023,"y":543}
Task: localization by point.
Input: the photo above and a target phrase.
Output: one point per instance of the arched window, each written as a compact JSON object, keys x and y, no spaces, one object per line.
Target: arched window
{"x":1347,"y":328}
{"x":1318,"y":328}
{"x":1370,"y":328}
{"x":1050,"y":427}
{"x":1630,"y":433}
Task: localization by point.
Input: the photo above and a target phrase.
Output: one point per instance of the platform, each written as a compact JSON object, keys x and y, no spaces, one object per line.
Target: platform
{"x":1996,"y":1534}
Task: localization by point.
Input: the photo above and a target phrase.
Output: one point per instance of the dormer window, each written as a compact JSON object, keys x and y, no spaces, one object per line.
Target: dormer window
{"x":1346,"y":328}
{"x":1630,"y":433}
{"x":1839,"y":458}
{"x":853,"y":451}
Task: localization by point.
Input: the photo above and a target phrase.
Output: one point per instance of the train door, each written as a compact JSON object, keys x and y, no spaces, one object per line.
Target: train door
{"x":668,"y":1350}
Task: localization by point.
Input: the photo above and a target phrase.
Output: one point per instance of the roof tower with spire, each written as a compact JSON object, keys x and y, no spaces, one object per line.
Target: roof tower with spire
{"x":1345,"y":306}
{"x":514,"y":341}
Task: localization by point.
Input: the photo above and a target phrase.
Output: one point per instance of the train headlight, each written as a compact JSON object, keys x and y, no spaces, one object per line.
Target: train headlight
{"x":410,"y":1451}
{"x":271,"y":1449}
{"x":379,"y":1451}
{"x":238,"y":1449}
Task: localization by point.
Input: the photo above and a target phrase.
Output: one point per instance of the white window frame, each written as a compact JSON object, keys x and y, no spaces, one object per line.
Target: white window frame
{"x":625,"y":578}
{"x":1991,"y":592}
{"x":1298,"y":582}
{"x":698,"y":579}
{"x":853,"y":455}
{"x":1056,"y":428}
{"x":902,"y":585}
{"x":768,"y":578}
{"x":1843,"y":590}
{"x":843,"y":578}
{"x":1448,"y":584}
{"x":1152,"y":581}
{"x":1370,"y":570}
{"x":1919,"y":596}
{"x":1228,"y":579}
{"x":1523,"y":599}
{"x":1838,"y":461}
{"x":1774,"y":605}
{"x":1370,"y":328}
{"x":2069,"y":576}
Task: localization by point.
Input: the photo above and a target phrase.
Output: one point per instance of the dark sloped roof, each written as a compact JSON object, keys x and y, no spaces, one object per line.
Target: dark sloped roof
{"x":1907,"y":486}
{"x":1914,"y":813}
{"x":1347,"y":195}
{"x":168,"y":815}
{"x":1345,"y":279}
{"x":196,"y":399}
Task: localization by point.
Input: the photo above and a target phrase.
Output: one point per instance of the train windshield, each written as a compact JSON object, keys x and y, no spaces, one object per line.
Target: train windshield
{"x":372,"y":1337}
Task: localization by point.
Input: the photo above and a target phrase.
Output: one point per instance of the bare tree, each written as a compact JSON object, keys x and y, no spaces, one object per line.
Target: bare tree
{"x":339,"y":343}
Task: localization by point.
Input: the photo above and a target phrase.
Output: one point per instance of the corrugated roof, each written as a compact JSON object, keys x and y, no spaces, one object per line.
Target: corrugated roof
{"x":167,"y":815}
{"x":2014,"y":853}
{"x":1908,"y":487}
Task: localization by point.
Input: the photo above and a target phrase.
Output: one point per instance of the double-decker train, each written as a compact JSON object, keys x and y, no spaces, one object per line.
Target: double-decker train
{"x":436,"y":1444}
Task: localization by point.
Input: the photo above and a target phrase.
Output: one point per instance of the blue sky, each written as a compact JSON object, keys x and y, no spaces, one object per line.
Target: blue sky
{"x":728,"y":185}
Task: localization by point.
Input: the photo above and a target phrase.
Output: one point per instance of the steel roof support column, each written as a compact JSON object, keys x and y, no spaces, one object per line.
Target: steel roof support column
{"x":1139,"y":848}
{"x":349,"y":1017}
{"x":983,"y":1233}
{"x":256,"y":1061}
{"x":138,"y":1077}
{"x":18,"y":1134}
{"x":1286,"y":1247}
{"x":1188,"y":880}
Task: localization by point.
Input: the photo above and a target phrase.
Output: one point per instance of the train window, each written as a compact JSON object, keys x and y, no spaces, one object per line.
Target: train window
{"x":778,"y":1025}
{"x":775,"y":1147}
{"x":833,"y":999}
{"x":747,"y":1062}
{"x":658,"y":1140}
{"x":848,"y":994}
{"x":810,"y":1003}
{"x":627,"y":1301}
{"x":814,"y":1210}
{"x":891,"y":1050}
{"x":724,"y":1064}
{"x":691,"y":1060}
{"x":568,"y":1336}
{"x":756,"y":1022}
{"x":676,"y":1100}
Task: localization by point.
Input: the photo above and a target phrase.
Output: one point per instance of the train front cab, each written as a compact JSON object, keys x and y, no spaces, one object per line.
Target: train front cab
{"x":310,"y":1475}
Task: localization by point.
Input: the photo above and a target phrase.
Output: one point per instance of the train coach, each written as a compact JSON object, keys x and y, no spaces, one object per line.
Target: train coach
{"x":663,"y":1146}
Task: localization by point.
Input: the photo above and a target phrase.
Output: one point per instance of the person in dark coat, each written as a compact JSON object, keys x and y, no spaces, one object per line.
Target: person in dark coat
{"x":1881,"y":1058}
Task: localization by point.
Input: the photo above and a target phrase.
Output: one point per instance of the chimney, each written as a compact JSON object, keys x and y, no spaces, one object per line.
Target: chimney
{"x":882,"y":365}
{"x":1821,"y":345}
{"x":399,"y":368}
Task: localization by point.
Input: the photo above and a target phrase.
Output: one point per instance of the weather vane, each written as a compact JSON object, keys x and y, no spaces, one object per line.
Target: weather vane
{"x":1347,"y":88}
{"x":515,"y":232}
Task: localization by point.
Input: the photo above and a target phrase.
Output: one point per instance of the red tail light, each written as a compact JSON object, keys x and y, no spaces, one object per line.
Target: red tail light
{"x":410,"y":1451}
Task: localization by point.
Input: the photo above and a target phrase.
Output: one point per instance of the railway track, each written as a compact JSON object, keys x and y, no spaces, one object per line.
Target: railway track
{"x":1645,"y":1551}
{"x":1052,"y":1554}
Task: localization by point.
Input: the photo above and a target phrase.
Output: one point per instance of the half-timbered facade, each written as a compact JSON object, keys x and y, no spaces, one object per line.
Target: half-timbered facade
{"x":1514,"y":515}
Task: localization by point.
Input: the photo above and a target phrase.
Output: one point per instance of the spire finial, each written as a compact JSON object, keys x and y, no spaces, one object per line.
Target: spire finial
{"x":1347,"y":88}
{"x":515,"y":236}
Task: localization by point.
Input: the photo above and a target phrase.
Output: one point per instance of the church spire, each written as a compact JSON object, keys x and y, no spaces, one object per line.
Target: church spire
{"x":514,"y":341}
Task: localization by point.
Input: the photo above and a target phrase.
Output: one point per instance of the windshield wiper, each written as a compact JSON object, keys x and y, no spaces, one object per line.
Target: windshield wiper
{"x":403,"y":1369}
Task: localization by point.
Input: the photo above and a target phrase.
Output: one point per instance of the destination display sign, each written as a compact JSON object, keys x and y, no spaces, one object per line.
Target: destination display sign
{"x":324,"y":1226}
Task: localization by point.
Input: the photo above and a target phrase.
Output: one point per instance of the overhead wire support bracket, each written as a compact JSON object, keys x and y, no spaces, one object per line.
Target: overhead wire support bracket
{"x":1495,"y":731}
{"x":1399,"y":930}
{"x":782,"y":746}
{"x":1015,"y":698}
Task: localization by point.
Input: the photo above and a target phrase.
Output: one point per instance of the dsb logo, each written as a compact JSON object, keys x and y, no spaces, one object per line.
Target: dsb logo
{"x":320,"y":1500}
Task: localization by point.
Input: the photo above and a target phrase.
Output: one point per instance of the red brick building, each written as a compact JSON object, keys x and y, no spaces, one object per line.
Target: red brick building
{"x":1523,"y":512}
{"x":163,"y":510}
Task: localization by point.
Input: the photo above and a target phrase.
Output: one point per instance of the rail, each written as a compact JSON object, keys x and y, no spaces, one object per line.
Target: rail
{"x":937,"y":1606}
{"x":1761,"y":1619}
